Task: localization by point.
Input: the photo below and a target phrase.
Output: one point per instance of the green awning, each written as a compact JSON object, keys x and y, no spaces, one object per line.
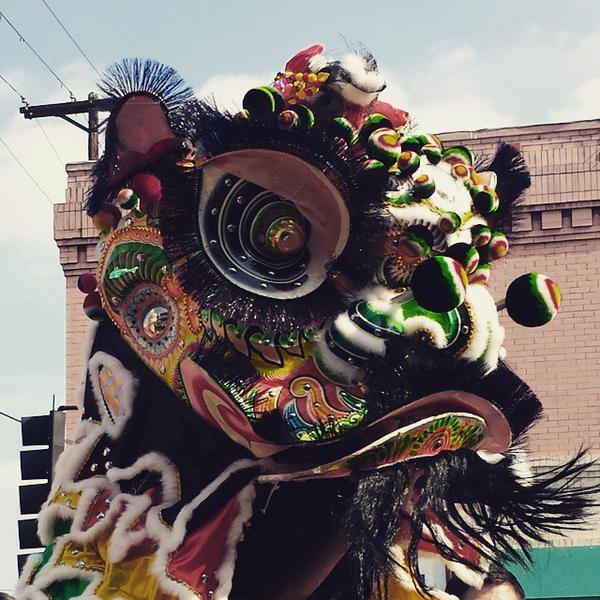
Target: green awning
{"x":562,"y":572}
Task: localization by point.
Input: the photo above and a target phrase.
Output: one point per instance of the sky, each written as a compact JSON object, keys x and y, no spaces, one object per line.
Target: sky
{"x":465,"y":64}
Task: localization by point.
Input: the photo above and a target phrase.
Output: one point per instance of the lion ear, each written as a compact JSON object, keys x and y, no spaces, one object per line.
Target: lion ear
{"x":141,"y":134}
{"x":139,"y":129}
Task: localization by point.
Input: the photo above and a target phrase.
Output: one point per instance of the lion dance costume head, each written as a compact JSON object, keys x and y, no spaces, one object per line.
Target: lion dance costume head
{"x":296,"y":381}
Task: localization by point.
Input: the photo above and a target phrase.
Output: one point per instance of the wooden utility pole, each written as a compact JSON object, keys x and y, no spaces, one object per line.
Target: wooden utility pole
{"x":92,"y":106}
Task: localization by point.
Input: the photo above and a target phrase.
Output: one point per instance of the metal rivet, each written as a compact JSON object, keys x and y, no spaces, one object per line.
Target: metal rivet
{"x":229,"y":182}
{"x":263,"y":284}
{"x":272,"y":273}
{"x":243,"y":257}
{"x":100,"y":516}
{"x":377,"y":331}
{"x":93,"y":467}
{"x":165,"y":269}
{"x":204,"y":577}
{"x":181,"y":344}
{"x":214,"y":212}
{"x":139,"y":257}
{"x":115,"y":300}
{"x":107,"y":465}
{"x":107,"y":500}
{"x":232,"y":270}
{"x":75,"y":551}
{"x":231,"y":228}
{"x":80,"y":563}
{"x":240,"y":199}
{"x":212,"y":242}
{"x":106,"y":452}
{"x":128,"y":222}
{"x":162,"y":369}
{"x":211,"y":594}
{"x":465,"y":329}
{"x":297,"y":283}
{"x":69,"y":502}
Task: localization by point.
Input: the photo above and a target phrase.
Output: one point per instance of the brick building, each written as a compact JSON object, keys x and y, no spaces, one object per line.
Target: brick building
{"x":558,"y":235}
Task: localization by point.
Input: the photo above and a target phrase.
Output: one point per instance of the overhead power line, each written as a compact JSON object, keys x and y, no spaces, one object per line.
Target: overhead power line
{"x":15,"y":90}
{"x":31,"y":177}
{"x":71,"y":37}
{"x":10,"y":416}
{"x":52,"y":71}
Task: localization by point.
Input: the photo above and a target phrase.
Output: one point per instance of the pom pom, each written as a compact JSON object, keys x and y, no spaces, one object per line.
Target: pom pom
{"x":432,"y":152}
{"x":458,"y":154}
{"x":305,"y":115}
{"x":449,"y":222}
{"x":498,"y":246}
{"x":485,"y":199}
{"x":92,"y":306}
{"x":465,"y":254}
{"x":263,"y":102}
{"x":106,"y":218}
{"x":481,"y":274}
{"x":439,"y":284}
{"x":481,"y":235}
{"x":341,"y":127}
{"x":148,"y":187}
{"x":371,"y":124}
{"x":423,"y":187}
{"x":384,"y":145}
{"x":128,"y":199}
{"x":412,"y":143}
{"x":532,"y":300}
{"x":289,"y":119}
{"x":87,"y":283}
{"x":408,"y":163}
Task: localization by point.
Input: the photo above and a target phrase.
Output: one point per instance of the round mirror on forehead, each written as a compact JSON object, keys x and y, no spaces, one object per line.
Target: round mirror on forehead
{"x":270,"y":222}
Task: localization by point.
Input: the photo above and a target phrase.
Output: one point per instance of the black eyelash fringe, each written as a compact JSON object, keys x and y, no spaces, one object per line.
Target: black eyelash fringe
{"x":486,"y":506}
{"x":513,"y":179}
{"x":215,"y":133}
{"x":414,"y":369}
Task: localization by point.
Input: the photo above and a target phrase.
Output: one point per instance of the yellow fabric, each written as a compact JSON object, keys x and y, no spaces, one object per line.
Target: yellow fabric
{"x":128,"y":579}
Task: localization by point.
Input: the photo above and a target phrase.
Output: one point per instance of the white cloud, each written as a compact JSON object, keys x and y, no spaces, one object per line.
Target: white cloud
{"x":582,"y":102}
{"x":228,"y":90}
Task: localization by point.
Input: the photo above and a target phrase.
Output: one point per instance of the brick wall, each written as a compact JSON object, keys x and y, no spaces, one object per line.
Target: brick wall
{"x":558,"y":235}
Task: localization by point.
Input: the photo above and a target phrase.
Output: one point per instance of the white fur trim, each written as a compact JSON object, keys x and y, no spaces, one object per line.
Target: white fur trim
{"x":421,"y":323}
{"x":171,"y":538}
{"x":344,"y":372}
{"x":225,"y":573}
{"x":488,"y":334}
{"x":318,"y":62}
{"x":126,"y":391}
{"x":492,"y":458}
{"x":364,"y":340}
{"x":364,"y":77}
{"x":520,"y":464}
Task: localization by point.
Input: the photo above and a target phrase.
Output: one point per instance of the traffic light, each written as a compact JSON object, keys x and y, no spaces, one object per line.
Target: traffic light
{"x":46,"y":432}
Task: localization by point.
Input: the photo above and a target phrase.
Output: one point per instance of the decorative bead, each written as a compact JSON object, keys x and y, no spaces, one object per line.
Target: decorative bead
{"x":481,"y":235}
{"x":498,"y":246}
{"x":485,"y":199}
{"x":412,"y":144}
{"x":449,"y":222}
{"x":481,"y":274}
{"x":465,"y":254}
{"x":423,"y":187}
{"x":106,"y":218}
{"x":92,"y":306}
{"x":289,"y":119}
{"x":87,"y":283}
{"x":533,"y":300}
{"x":458,"y":154}
{"x":384,"y":145}
{"x":128,"y":199}
{"x":439,"y":284}
{"x":432,"y":152}
{"x":408,"y":163}
{"x":75,"y":551}
{"x":371,"y":124}
{"x":80,"y":563}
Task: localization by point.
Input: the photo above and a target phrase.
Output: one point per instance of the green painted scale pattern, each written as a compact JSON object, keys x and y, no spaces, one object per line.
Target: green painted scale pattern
{"x":132,"y":262}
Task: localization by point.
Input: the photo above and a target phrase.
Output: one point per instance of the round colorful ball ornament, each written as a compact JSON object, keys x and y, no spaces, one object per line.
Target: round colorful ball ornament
{"x":439,"y":284}
{"x":465,"y":254}
{"x":289,"y":119}
{"x":449,"y":222}
{"x":458,"y":154}
{"x":408,"y":163}
{"x":373,"y":172}
{"x":87,"y":283}
{"x":485,"y":199}
{"x":432,"y":152}
{"x":498,"y":246}
{"x":305,"y":115}
{"x":263,"y":102}
{"x":92,"y":306}
{"x":423,"y":186}
{"x":107,"y":218}
{"x":481,"y":274}
{"x":371,"y":124}
{"x":412,"y":143}
{"x":384,"y":145}
{"x":341,"y":127}
{"x":149,"y":188}
{"x":481,"y":235}
{"x":532,"y":300}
